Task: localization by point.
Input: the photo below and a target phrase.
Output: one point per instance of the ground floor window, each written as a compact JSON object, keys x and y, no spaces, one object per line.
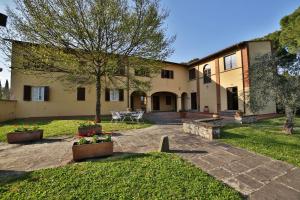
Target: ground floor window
{"x":37,"y":93}
{"x":114,"y":95}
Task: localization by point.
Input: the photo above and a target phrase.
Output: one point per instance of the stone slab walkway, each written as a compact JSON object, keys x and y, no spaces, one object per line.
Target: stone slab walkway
{"x":253,"y":175}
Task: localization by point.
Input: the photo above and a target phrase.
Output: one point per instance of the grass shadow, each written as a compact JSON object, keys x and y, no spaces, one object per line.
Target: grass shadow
{"x":117,"y":156}
{"x":188,"y":151}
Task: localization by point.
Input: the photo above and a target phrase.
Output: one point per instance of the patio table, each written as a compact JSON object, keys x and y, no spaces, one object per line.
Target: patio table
{"x":126,"y":115}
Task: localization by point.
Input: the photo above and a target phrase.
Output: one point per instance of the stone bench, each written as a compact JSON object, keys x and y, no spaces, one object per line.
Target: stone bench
{"x":202,"y":128}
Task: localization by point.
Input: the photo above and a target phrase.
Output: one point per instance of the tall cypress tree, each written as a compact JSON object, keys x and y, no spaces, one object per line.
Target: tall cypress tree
{"x":6,"y":90}
{"x":0,"y":90}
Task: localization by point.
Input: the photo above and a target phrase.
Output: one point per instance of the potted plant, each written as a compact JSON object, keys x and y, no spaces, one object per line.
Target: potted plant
{"x":98,"y":146}
{"x":22,"y":134}
{"x":182,"y":113}
{"x":88,"y":128}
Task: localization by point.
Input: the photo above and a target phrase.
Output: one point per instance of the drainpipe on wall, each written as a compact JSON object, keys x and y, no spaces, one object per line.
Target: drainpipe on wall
{"x":128,"y":82}
{"x":198,"y":89}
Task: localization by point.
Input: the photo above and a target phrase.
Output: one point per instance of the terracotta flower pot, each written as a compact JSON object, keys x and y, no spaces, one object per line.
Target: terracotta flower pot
{"x":89,"y":130}
{"x":26,"y":136}
{"x":206,"y":109}
{"x":84,"y":151}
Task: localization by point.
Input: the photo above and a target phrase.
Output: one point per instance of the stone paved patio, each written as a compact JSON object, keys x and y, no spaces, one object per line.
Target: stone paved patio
{"x":257,"y":176}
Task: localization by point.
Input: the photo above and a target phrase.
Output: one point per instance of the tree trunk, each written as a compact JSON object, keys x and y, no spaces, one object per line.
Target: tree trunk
{"x":98,"y":99}
{"x":289,"y":122}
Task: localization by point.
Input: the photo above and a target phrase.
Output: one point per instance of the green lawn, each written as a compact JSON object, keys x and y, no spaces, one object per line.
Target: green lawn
{"x":266,"y":137}
{"x":144,"y":176}
{"x":65,"y":127}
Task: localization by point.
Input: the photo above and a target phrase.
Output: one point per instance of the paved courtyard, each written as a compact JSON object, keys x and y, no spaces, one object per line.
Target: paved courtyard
{"x":256,"y":176}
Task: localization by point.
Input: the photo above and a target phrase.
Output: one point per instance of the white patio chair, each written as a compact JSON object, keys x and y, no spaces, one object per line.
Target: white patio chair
{"x":137,"y":116}
{"x":115,"y":116}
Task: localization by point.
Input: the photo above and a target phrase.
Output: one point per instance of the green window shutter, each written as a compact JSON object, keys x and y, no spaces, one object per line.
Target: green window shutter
{"x":121,"y":95}
{"x":27,"y":93}
{"x":107,"y":94}
{"x":46,"y":93}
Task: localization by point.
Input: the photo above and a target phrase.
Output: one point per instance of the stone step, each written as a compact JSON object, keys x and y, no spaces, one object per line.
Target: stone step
{"x":228,"y":113}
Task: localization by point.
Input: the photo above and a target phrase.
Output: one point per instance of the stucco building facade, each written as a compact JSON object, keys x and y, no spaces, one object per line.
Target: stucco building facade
{"x":216,"y":83}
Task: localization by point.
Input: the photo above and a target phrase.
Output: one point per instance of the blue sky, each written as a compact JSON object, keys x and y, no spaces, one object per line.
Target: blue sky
{"x":205,"y":26}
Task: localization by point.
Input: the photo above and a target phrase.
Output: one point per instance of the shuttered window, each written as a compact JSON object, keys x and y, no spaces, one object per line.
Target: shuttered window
{"x":80,"y":94}
{"x":36,"y":93}
{"x":192,"y":74}
{"x":27,"y":93}
{"x":167,"y":74}
{"x":114,"y":94}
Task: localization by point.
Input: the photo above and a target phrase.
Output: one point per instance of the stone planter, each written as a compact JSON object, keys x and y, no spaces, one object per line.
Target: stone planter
{"x":246,"y":119}
{"x":182,"y":114}
{"x":85,"y":151}
{"x":203,"y":129}
{"x":89,"y":130}
{"x":26,"y":136}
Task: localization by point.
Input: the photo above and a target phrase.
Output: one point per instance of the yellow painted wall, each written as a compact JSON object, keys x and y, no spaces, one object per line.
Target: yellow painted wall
{"x":208,"y":95}
{"x":162,"y":99}
{"x":7,"y":110}
{"x":232,"y":78}
{"x":191,"y":88}
{"x":63,"y":98}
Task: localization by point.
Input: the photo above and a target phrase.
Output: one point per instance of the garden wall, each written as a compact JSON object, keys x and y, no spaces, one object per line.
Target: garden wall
{"x":7,"y":110}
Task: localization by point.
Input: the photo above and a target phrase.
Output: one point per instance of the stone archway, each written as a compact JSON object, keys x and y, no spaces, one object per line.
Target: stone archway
{"x":164,"y":102}
{"x":138,"y":101}
{"x":184,"y":101}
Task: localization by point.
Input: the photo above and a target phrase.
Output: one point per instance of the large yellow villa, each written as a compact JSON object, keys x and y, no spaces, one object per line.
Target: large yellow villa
{"x":215,"y":83}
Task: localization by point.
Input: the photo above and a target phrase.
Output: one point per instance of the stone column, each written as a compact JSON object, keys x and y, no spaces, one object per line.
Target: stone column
{"x":178,"y":103}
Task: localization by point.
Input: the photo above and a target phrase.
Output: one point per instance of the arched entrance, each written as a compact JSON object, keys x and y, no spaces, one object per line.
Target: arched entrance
{"x":164,"y":102}
{"x":184,"y":101}
{"x":138,"y":101}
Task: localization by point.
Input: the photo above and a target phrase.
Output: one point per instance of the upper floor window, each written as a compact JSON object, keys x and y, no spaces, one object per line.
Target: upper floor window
{"x":230,"y":61}
{"x":167,"y":74}
{"x":206,"y":74}
{"x":192,"y":74}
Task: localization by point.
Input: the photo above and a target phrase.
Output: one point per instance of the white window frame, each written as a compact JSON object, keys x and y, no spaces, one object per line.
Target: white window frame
{"x":114,"y":95}
{"x":233,"y":62}
{"x":37,"y":93}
